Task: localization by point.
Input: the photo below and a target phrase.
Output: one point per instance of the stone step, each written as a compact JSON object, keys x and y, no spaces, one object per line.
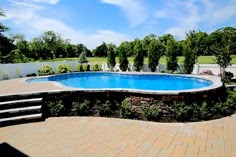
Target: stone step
{"x":26,"y":110}
{"x":19,"y":118}
{"x":21,"y":109}
{"x":20,"y":103}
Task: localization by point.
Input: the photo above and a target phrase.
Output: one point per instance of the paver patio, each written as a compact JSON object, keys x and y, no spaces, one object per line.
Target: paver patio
{"x":19,"y":86}
{"x":94,"y":136}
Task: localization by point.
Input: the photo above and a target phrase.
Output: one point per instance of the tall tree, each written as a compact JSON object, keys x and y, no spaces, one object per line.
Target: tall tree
{"x":202,"y":46}
{"x":154,"y":54}
{"x":6,"y":45}
{"x":51,"y":41}
{"x":101,"y":51}
{"x":146,"y":41}
{"x":111,"y":56}
{"x":164,"y":38}
{"x":81,"y":48}
{"x":224,"y":41}
{"x":22,"y":45}
{"x":190,"y":51}
{"x":163,"y":41}
{"x":123,"y":57}
{"x":128,"y":46}
{"x":3,"y":28}
{"x":38,"y":48}
{"x":171,"y":54}
{"x":138,"y":55}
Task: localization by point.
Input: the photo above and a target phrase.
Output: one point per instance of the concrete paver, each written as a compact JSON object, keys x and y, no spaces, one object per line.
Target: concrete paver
{"x":96,"y":136}
{"x":19,"y":86}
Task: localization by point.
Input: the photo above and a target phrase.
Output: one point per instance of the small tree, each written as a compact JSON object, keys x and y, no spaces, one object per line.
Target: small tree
{"x":223,"y":46}
{"x":111,"y":57}
{"x":154,"y":54}
{"x":189,"y":60}
{"x":190,"y":52}
{"x":123,"y":59}
{"x":138,"y":55}
{"x":171,"y":55}
{"x":83,"y":58}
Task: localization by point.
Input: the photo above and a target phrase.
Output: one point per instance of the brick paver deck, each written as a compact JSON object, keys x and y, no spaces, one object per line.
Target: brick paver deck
{"x":19,"y":86}
{"x":94,"y":136}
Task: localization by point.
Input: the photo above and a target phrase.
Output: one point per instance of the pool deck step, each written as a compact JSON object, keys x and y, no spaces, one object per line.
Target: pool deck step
{"x":21,"y":109}
{"x":33,"y":100}
{"x":12,"y":104}
{"x":18,"y":119}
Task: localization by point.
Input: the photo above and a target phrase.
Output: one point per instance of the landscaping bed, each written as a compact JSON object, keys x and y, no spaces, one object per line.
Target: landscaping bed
{"x":191,"y":108}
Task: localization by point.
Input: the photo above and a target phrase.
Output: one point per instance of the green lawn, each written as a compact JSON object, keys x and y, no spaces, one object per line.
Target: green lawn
{"x":100,"y":60}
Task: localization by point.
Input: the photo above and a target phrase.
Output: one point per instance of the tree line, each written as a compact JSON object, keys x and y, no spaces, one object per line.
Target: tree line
{"x":220,"y":43}
{"x":50,"y":45}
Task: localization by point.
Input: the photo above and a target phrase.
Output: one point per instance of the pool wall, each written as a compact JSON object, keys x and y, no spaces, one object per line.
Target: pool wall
{"x":111,"y":103}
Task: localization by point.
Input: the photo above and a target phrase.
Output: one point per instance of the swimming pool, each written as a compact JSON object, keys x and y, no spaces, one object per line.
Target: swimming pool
{"x":129,"y":81}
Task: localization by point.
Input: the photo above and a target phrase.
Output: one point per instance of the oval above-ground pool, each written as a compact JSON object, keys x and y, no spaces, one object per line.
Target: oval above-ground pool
{"x":135,"y":82}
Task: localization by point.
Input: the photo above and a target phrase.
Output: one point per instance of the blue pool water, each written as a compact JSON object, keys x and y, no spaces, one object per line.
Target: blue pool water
{"x":98,"y":80}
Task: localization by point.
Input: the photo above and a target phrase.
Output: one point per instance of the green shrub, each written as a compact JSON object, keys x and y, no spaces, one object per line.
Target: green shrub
{"x":103,"y":108}
{"x":222,"y":107}
{"x":181,"y":111}
{"x":112,"y":105}
{"x":97,"y":67}
{"x":64,"y":68}
{"x":226,"y":107}
{"x":152,"y":112}
{"x":126,"y":110}
{"x":231,"y":98}
{"x":80,"y":108}
{"x":83,"y":58}
{"x":205,"y":111}
{"x":55,"y":108}
{"x":46,"y":70}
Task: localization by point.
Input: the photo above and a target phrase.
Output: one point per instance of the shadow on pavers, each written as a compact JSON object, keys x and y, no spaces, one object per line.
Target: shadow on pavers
{"x":7,"y":150}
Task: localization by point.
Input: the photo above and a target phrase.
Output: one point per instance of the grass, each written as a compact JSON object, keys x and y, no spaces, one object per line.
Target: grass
{"x":100,"y":60}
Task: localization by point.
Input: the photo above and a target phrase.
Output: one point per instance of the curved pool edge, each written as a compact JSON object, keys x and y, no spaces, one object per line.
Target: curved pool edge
{"x":216,"y":84}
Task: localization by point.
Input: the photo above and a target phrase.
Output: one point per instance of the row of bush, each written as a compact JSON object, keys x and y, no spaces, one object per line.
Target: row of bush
{"x":65,"y":68}
{"x":104,"y":104}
